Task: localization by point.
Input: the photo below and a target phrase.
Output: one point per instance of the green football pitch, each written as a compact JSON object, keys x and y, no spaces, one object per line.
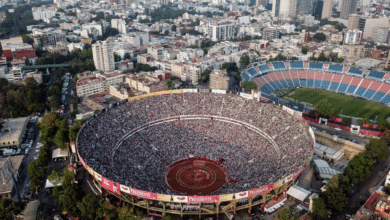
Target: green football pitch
{"x":343,"y":104}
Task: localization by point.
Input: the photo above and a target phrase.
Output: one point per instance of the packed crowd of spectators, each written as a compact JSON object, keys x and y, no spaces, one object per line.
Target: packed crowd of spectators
{"x":141,"y":159}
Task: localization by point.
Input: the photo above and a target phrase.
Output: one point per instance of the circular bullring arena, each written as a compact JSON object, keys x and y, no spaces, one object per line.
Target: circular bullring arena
{"x":195,"y":152}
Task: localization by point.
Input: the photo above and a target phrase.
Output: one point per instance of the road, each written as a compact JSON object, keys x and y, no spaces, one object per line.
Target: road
{"x":343,"y":134}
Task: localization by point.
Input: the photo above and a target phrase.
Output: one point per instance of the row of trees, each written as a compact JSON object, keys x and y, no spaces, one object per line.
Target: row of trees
{"x":359,"y":168}
{"x":22,"y":99}
{"x":332,"y":57}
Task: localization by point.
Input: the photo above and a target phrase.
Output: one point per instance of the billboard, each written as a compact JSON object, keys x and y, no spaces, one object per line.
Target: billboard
{"x":98,"y":176}
{"x":298,"y":172}
{"x":261,"y":190}
{"x":242,"y":195}
{"x":109,"y":185}
{"x":202,"y":199}
{"x":246,"y":96}
{"x":142,"y":194}
{"x":180,"y":199}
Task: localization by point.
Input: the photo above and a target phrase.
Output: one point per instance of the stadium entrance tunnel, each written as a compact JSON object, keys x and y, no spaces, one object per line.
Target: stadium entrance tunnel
{"x":196,"y":176}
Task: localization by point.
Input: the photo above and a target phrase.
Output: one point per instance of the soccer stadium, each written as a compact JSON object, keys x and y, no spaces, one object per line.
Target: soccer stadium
{"x":196,"y":152}
{"x":372,"y":86}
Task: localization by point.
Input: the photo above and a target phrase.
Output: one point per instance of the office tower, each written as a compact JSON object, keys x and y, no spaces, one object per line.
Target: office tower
{"x":348,"y":7}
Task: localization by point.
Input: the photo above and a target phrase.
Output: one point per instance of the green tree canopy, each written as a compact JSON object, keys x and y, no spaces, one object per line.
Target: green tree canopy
{"x":36,"y":169}
{"x":324,"y":108}
{"x":244,"y":61}
{"x":230,"y":67}
{"x":336,"y":199}
{"x":204,"y":77}
{"x":9,"y":208}
{"x":319,"y":37}
{"x":249,"y":86}
{"x":305,"y":49}
{"x":91,"y":207}
{"x":377,"y":148}
{"x":386,"y":135}
{"x":169,"y":84}
{"x":284,"y":214}
{"x":125,"y":212}
{"x":359,"y":167}
{"x":319,"y":207}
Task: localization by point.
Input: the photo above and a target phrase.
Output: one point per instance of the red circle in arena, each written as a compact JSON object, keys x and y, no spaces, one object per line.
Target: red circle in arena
{"x":196,"y":176}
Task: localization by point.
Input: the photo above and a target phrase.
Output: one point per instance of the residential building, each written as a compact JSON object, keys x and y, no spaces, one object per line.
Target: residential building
{"x":43,"y":12}
{"x":9,"y":172}
{"x":156,"y":52}
{"x":97,"y":83}
{"x":18,"y":51}
{"x":352,"y":52}
{"x":270,"y":33}
{"x":120,"y":25}
{"x":388,"y":61}
{"x":48,"y":37}
{"x":353,"y":21}
{"x":12,"y":131}
{"x":348,"y":7}
{"x":353,"y":36}
{"x":119,"y":92}
{"x":144,"y":58}
{"x":103,"y":56}
{"x":223,"y":31}
{"x":372,"y":23}
{"x":144,"y":83}
{"x":219,"y":80}
{"x":11,"y":41}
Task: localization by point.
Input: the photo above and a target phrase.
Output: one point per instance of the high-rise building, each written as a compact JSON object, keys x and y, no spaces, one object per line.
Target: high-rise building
{"x":372,"y":23}
{"x":380,"y":34}
{"x":317,"y":9}
{"x":353,"y":36}
{"x":280,"y":7}
{"x":348,"y":7}
{"x":270,"y":33}
{"x":222,"y":31}
{"x":353,"y":21}
{"x":103,"y":56}
{"x":303,"y":6}
{"x":327,"y":9}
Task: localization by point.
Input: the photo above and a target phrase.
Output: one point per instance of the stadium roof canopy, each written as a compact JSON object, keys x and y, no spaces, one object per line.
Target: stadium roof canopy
{"x":326,"y":172}
{"x":298,"y":192}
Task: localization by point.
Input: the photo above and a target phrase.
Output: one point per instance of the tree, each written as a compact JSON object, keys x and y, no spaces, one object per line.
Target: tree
{"x":91,"y":207}
{"x":336,"y":199}
{"x":54,"y":102}
{"x":204,"y":76}
{"x":324,"y":108}
{"x":73,"y":131}
{"x":36,"y":169}
{"x":169,"y":84}
{"x":305,"y":49}
{"x":54,"y":177}
{"x":386,"y":189}
{"x":249,"y":86}
{"x":54,"y":90}
{"x":319,"y":37}
{"x":284,"y":214}
{"x":386,"y":136}
{"x":319,"y":207}
{"x":9,"y":208}
{"x":62,"y":137}
{"x":117,"y":58}
{"x":173,"y":28}
{"x":68,"y":200}
{"x":125,"y":212}
{"x":244,"y":61}
{"x":322,"y":57}
{"x":359,"y":167}
{"x":377,"y":148}
{"x":253,"y":21}
{"x":230,"y":67}
{"x":346,"y":121}
{"x":126,"y":56}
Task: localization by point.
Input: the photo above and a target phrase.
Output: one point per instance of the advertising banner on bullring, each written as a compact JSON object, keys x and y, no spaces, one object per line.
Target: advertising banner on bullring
{"x":288,"y":178}
{"x":143,"y":194}
{"x":124,"y":189}
{"x":288,"y":110}
{"x":244,"y":95}
{"x":261,"y":190}
{"x":164,"y":198}
{"x":109,"y":185}
{"x":226,"y":197}
{"x":98,"y":177}
{"x":90,"y":171}
{"x":241,"y":195}
{"x":180,"y":199}
{"x":202,"y":199}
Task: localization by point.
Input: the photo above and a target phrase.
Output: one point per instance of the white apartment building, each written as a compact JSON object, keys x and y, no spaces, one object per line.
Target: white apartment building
{"x":136,"y":39}
{"x":120,"y":25}
{"x":103,"y":56}
{"x":380,"y":34}
{"x":222,"y":31}
{"x":189,"y":54}
{"x":98,"y":83}
{"x":93,"y":27}
{"x":353,"y":36}
{"x":43,"y":13}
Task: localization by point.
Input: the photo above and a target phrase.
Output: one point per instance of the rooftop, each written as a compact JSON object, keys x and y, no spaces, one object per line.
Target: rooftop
{"x":9,"y":165}
{"x":12,"y":129}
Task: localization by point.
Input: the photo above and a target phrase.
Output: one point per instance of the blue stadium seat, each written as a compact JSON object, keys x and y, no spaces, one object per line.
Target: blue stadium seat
{"x":376,"y":75}
{"x":284,"y":84}
{"x":290,"y":83}
{"x":298,"y":65}
{"x":333,"y":86}
{"x":325,"y":85}
{"x":342,"y":88}
{"x":296,"y":82}
{"x":378,"y":96}
{"x":310,"y":83}
{"x":317,"y":84}
{"x":264,"y":68}
{"x":265,"y":89}
{"x":316,"y":66}
{"x":355,"y":71}
{"x":251,"y":71}
{"x":277,"y":82}
{"x":303,"y":82}
{"x":279,"y":66}
{"x":360,"y":91}
{"x":369,"y":93}
{"x":336,"y":68}
{"x":386,"y":99}
{"x":244,"y":76}
{"x":351,"y":89}
{"x":273,"y":85}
